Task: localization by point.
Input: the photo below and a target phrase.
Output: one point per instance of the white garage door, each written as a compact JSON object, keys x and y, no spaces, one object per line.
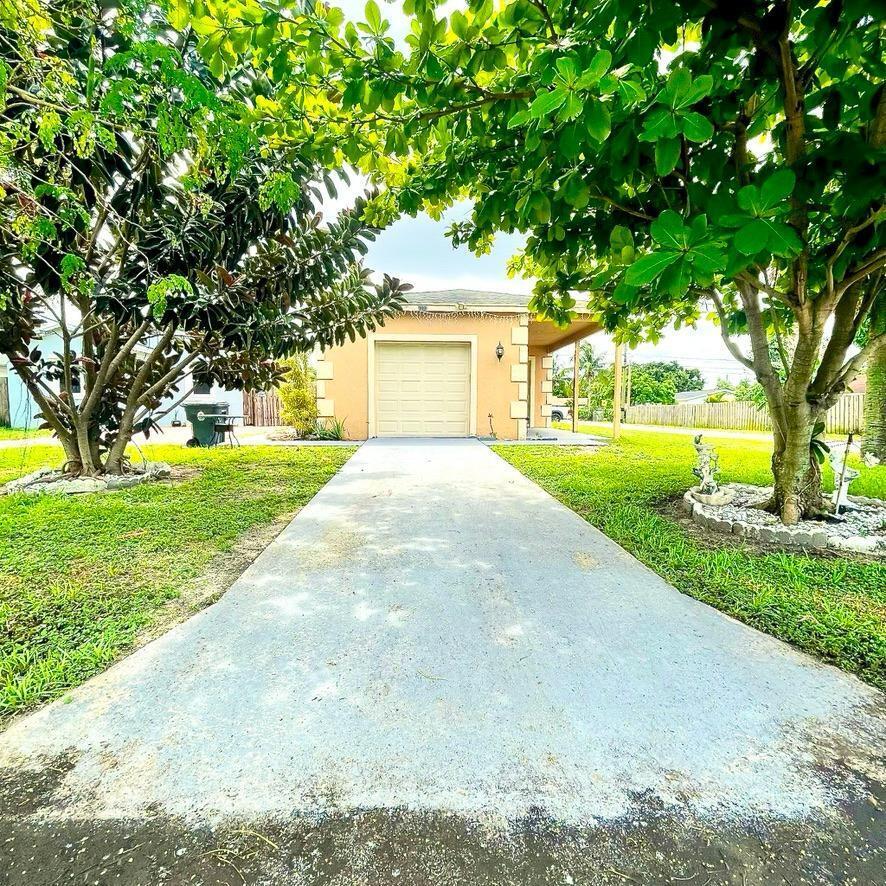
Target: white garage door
{"x":422,"y":389}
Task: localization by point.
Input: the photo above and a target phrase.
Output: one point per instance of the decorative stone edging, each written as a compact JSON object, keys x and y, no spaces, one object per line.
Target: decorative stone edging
{"x":51,"y":480}
{"x":812,"y":535}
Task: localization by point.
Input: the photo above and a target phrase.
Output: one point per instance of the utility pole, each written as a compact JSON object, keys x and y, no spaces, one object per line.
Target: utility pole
{"x":629,"y":373}
{"x":616,"y":392}
{"x":575,"y":387}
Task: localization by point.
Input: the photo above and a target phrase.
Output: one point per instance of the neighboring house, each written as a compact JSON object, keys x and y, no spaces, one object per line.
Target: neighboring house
{"x":22,"y":410}
{"x":455,"y":363}
{"x":702,"y":396}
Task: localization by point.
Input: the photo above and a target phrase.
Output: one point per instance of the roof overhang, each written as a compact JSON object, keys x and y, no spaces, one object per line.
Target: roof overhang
{"x":548,"y":337}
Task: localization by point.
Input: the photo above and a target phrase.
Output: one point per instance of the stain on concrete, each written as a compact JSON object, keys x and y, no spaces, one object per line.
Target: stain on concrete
{"x":584,"y":560}
{"x":403,"y":847}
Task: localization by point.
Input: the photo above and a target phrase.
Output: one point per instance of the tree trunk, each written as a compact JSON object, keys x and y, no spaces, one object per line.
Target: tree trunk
{"x":797,"y":474}
{"x":875,"y":396}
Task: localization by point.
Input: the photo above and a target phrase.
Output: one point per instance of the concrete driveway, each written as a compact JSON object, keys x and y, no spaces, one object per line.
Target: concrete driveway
{"x":439,"y":674}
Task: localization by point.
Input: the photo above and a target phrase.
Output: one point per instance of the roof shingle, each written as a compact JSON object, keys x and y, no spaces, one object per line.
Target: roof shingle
{"x":474,"y":298}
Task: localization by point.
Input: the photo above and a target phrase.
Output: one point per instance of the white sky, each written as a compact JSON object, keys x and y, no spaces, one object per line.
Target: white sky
{"x":417,"y":251}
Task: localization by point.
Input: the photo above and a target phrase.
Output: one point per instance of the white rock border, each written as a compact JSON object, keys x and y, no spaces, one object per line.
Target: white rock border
{"x":48,"y":481}
{"x":809,"y":535}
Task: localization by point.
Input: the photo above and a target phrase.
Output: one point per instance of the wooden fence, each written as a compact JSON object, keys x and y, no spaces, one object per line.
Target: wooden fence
{"x":261,"y":408}
{"x":847,"y":415}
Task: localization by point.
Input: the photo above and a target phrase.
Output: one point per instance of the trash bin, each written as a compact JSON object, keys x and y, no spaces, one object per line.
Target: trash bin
{"x":203,"y":415}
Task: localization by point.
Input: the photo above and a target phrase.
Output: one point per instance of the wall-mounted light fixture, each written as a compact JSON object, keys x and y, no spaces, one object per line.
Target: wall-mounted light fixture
{"x":499,"y":351}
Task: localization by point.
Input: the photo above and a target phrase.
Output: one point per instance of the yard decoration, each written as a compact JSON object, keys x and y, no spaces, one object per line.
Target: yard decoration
{"x":844,"y":474}
{"x":671,"y":159}
{"x":707,"y":470}
{"x":149,"y":216}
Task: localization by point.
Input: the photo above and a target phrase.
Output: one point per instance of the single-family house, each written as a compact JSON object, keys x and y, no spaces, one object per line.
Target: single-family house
{"x":453,"y":363}
{"x":723,"y":394}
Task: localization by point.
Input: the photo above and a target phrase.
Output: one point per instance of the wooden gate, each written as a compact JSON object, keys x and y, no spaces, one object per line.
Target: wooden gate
{"x":261,"y":409}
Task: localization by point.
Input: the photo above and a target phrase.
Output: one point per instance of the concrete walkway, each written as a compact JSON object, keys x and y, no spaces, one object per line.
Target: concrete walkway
{"x":439,"y":674}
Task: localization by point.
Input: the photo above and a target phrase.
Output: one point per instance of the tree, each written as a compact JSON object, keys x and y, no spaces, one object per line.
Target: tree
{"x":600,"y":395}
{"x":670,"y":159}
{"x":589,"y":364}
{"x":683,"y":379}
{"x":562,"y":383}
{"x":143,"y":214}
{"x":297,"y":398}
{"x":648,"y":387}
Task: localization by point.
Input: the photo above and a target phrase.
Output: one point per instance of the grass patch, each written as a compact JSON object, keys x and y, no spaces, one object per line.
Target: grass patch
{"x":81,"y":576}
{"x":22,"y":433}
{"x":832,"y":607}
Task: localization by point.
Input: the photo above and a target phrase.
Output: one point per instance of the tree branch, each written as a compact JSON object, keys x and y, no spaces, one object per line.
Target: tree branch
{"x":873,"y":264}
{"x":731,"y":346}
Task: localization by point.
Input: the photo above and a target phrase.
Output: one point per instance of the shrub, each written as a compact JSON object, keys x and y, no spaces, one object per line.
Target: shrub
{"x":331,"y":429}
{"x":297,"y":397}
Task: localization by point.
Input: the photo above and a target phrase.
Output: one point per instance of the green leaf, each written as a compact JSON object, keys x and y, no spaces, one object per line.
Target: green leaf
{"x":459,"y":24}
{"x":631,"y":92}
{"x":777,"y":187}
{"x":621,"y":237}
{"x":699,"y":89}
{"x":624,"y":294}
{"x":667,"y":153}
{"x":749,"y":200}
{"x":598,"y":121}
{"x":699,"y":228}
{"x":541,"y":208}
{"x":659,"y":124}
{"x":669,"y":230}
{"x":547,"y":102}
{"x":783,"y":239}
{"x":677,"y":87}
{"x":576,"y":192}
{"x":519,"y":119}
{"x":596,"y":69}
{"x":373,"y":15}
{"x":571,"y":140}
{"x":707,"y":259}
{"x":646,"y":269}
{"x":571,"y":108}
{"x":675,"y":280}
{"x":752,"y":238}
{"x":697,"y":128}
{"x":566,"y":69}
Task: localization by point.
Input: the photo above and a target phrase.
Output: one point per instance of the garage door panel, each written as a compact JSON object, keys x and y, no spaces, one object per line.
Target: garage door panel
{"x":422,"y":388}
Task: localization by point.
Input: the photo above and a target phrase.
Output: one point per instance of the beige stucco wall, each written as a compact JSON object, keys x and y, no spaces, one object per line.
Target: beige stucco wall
{"x":502,"y":387}
{"x":543,"y":371}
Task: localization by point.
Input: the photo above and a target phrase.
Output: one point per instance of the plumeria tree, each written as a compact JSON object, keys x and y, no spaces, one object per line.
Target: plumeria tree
{"x":147,"y":218}
{"x":669,"y":159}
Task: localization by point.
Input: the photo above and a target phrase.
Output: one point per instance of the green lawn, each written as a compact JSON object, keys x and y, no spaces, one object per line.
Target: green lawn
{"x":22,"y":434}
{"x":81,"y":576}
{"x":832,"y":607}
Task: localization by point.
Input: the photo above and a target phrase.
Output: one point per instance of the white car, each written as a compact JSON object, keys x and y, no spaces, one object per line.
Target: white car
{"x":560,"y":413}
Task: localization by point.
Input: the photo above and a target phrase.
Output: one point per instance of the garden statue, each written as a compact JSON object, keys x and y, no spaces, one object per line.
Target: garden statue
{"x":708,"y":490}
{"x":843,"y":476}
{"x":708,"y":467}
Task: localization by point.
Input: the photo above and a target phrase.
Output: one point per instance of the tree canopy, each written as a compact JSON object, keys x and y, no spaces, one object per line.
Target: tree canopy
{"x":670,"y":159}
{"x":148,"y":218}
